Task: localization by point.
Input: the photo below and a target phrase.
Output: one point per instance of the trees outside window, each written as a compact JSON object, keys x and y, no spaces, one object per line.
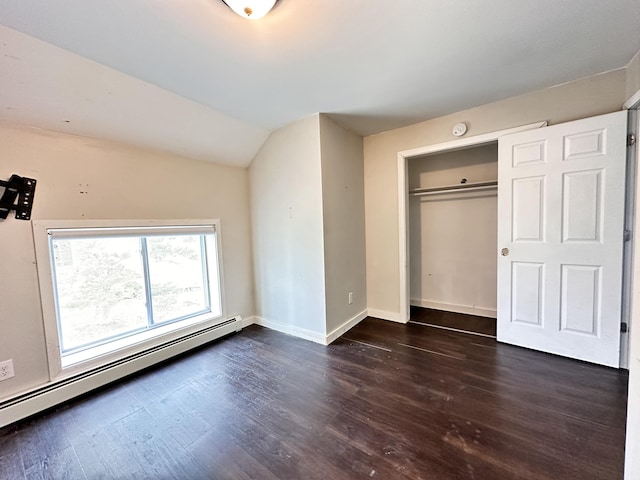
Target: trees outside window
{"x":109,"y":287}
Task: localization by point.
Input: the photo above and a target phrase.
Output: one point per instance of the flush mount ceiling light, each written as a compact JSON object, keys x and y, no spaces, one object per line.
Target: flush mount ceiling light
{"x":252,"y":9}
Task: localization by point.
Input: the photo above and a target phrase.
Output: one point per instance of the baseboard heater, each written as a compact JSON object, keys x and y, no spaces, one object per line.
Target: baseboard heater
{"x":52,"y":394}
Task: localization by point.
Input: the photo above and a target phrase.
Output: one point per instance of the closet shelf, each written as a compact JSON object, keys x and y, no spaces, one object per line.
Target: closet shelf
{"x":454,"y":188}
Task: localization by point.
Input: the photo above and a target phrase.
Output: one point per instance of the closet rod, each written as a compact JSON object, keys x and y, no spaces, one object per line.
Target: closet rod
{"x":454,"y":188}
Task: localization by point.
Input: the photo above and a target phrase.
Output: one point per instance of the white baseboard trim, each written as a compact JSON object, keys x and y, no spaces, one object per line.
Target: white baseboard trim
{"x":303,"y":333}
{"x":49,"y":395}
{"x":345,"y":327}
{"x":384,"y":315}
{"x":248,"y":321}
{"x":452,"y":307}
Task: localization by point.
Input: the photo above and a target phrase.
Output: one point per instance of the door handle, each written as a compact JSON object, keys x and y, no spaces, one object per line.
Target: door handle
{"x":504,"y":252}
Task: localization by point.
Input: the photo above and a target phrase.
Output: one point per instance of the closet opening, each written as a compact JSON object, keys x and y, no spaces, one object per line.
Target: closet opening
{"x":412,"y":158}
{"x":452,"y":238}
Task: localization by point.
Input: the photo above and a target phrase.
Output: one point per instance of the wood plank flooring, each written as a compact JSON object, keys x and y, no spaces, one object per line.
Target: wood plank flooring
{"x":454,"y":321}
{"x":384,"y":401}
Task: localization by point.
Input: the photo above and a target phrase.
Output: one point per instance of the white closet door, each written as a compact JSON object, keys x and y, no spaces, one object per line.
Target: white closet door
{"x":560,"y":236}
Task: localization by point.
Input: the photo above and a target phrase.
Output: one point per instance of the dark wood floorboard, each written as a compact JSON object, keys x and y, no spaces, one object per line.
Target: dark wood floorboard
{"x":386,"y":401}
{"x":458,"y":321}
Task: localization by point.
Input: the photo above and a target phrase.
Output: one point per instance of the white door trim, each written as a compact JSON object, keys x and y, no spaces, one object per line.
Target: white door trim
{"x":403,"y":187}
{"x":632,"y":461}
{"x":633,"y":102}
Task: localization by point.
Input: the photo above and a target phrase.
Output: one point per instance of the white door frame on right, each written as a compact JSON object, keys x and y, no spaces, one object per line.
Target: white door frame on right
{"x":632,"y":459}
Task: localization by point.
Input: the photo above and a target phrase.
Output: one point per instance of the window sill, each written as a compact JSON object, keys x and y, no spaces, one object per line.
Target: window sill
{"x":104,"y":353}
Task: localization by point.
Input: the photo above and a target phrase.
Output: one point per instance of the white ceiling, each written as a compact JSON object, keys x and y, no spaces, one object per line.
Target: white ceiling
{"x":191,"y":77}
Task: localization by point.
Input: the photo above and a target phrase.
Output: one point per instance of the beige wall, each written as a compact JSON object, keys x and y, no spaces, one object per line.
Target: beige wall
{"x":307,"y":201}
{"x":343,"y":214}
{"x":587,"y":97}
{"x":452,"y":236}
{"x":633,"y":76}
{"x":286,"y":209}
{"x":80,"y":178}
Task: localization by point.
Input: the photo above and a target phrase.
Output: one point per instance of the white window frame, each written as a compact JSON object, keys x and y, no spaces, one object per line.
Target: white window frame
{"x":101,"y":355}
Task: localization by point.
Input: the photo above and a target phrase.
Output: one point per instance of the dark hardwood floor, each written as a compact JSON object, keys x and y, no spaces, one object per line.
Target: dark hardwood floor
{"x":385,"y":401}
{"x":454,"y":321}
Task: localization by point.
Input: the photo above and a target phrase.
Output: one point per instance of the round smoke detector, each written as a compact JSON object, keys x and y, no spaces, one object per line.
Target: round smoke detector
{"x":459,"y":129}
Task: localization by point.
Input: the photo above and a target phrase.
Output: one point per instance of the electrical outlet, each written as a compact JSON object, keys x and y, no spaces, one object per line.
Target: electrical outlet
{"x":6,"y":369}
{"x":350,"y":298}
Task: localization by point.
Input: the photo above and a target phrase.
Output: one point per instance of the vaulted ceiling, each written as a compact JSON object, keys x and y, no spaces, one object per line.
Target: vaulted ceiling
{"x":191,"y":77}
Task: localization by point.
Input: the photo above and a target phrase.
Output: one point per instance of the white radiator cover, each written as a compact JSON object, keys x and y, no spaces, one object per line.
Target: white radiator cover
{"x":53,"y":394}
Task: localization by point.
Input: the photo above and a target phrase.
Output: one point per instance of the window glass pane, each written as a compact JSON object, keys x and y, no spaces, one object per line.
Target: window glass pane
{"x":178,"y":281}
{"x":100,"y":289}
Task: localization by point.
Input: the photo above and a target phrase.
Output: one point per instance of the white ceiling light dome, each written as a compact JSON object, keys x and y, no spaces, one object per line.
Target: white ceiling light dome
{"x":252,"y":9}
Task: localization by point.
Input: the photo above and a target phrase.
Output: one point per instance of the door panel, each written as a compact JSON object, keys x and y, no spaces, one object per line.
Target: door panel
{"x":529,"y":153}
{"x":580,"y":299}
{"x":560,"y":234}
{"x":582,"y":206}
{"x":528,"y":209}
{"x":527,"y":293}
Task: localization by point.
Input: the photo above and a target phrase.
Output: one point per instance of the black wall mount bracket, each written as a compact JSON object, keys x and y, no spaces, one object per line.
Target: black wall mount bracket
{"x":21,"y":188}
